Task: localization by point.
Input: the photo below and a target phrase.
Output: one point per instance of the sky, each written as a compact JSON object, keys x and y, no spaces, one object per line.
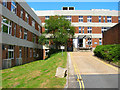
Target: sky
{"x":77,"y":5}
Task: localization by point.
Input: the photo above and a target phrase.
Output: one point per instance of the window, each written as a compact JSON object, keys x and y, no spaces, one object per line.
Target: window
{"x":68,"y":18}
{"x":100,"y":41}
{"x":20,"y":32}
{"x":39,"y":28}
{"x":80,"y":18}
{"x":109,"y":19}
{"x":104,"y":19}
{"x":46,"y":17}
{"x":119,"y":19}
{"x":83,"y":29}
{"x":89,"y":18}
{"x":34,"y":38}
{"x":105,"y":29}
{"x":13,"y":7}
{"x":20,"y":52}
{"x":89,"y":41}
{"x":6,"y":26}
{"x":33,"y":23}
{"x":27,"y":18}
{"x":10,"y":52}
{"x":25,"y":34}
{"x":89,"y":29}
{"x":4,"y":2}
{"x":15,"y":30}
{"x":21,"y":14}
{"x":99,"y":18}
{"x":30,"y":52}
{"x":34,"y":55}
{"x":79,"y":29}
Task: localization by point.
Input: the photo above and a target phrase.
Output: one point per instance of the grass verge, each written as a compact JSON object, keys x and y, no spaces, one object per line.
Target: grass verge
{"x":38,"y":74}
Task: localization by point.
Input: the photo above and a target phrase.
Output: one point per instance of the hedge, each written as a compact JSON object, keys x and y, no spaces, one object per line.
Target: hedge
{"x":108,"y":52}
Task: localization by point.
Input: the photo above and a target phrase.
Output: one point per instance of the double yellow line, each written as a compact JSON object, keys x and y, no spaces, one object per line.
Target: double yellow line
{"x":79,"y":78}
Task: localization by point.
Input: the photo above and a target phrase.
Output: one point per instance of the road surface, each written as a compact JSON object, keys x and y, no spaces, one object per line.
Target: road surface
{"x":87,"y":71}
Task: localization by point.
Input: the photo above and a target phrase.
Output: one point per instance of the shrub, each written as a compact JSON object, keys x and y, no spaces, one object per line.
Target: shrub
{"x":108,"y":52}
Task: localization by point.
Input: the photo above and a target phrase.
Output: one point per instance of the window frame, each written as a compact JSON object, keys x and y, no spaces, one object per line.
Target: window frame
{"x":109,"y":19}
{"x":89,"y":18}
{"x":20,"y":52}
{"x":9,"y":25}
{"x":89,"y":30}
{"x":15,"y":7}
{"x":12,"y":52}
{"x":27,"y":17}
{"x":80,"y":29}
{"x":80,"y":18}
{"x":99,"y":19}
{"x":25,"y":34}
{"x":4,"y":3}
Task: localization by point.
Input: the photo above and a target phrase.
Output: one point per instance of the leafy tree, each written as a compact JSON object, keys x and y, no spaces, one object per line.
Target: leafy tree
{"x":59,"y":30}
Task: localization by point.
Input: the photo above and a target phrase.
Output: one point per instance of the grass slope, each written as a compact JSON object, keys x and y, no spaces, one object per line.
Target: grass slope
{"x":38,"y":74}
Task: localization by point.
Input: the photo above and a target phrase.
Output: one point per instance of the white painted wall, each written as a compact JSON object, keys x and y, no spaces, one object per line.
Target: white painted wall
{"x":75,"y":43}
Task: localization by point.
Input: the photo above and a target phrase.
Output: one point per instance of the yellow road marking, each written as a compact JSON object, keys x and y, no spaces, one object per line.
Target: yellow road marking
{"x":105,"y":63}
{"x":78,"y":74}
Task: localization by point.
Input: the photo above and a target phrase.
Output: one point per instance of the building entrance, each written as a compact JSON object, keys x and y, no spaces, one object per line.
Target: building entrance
{"x":80,"y":42}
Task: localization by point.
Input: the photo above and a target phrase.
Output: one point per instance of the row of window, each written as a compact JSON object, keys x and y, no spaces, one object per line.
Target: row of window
{"x":14,"y":10}
{"x":6,"y":27}
{"x":89,"y":18}
{"x":89,"y":29}
{"x":11,"y":52}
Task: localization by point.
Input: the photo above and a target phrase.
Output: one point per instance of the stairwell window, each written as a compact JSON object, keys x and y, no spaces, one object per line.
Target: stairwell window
{"x":6,"y":26}
{"x":80,"y":18}
{"x":4,"y":3}
{"x":25,"y":34}
{"x":13,"y":7}
{"x":89,"y":30}
{"x":79,"y":29}
{"x":10,"y":52}
{"x":89,"y":18}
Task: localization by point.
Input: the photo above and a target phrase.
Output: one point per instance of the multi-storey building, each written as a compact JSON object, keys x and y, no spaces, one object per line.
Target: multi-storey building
{"x":19,"y":33}
{"x":89,"y":24}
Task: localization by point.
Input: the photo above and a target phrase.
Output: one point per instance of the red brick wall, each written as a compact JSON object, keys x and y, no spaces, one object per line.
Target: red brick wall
{"x":93,"y":42}
{"x":9,"y":5}
{"x":18,"y":10}
{"x":96,"y":30}
{"x":42,"y":18}
{"x":75,"y":18}
{"x":84,"y":18}
{"x":114,"y":19}
{"x":112,"y":36}
{"x":76,"y":29}
{"x":95,"y":18}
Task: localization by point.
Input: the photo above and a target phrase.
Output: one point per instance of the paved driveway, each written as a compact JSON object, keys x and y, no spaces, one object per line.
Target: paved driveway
{"x":90,"y":72}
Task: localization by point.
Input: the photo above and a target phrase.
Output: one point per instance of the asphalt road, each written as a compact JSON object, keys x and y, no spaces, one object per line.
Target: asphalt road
{"x":87,"y":71}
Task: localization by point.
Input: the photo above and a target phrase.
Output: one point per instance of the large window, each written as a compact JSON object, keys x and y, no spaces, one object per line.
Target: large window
{"x":15,"y":30}
{"x":27,"y":18}
{"x":10,"y":52}
{"x":89,"y":41}
{"x":109,"y":19}
{"x":99,"y":18}
{"x":13,"y":7}
{"x":39,"y":28}
{"x":83,"y":29}
{"x":68,"y":18}
{"x":25,"y":34}
{"x":34,"y":54}
{"x":4,"y":2}
{"x":46,"y":17}
{"x":20,"y":32}
{"x":33,"y":23}
{"x":34,"y":38}
{"x":79,"y":29}
{"x":21,"y":14}
{"x":104,"y":29}
{"x":89,"y":30}
{"x":89,"y":18}
{"x":6,"y":26}
{"x":104,"y":19}
{"x":20,"y":52}
{"x":80,"y":18}
{"x":100,"y":41}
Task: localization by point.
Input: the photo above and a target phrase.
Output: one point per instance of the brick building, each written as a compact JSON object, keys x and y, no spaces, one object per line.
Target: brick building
{"x":112,"y":36}
{"x":89,"y":24}
{"x":19,"y":33}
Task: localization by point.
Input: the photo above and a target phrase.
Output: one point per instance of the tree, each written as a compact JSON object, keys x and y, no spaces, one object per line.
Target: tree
{"x":59,"y":29}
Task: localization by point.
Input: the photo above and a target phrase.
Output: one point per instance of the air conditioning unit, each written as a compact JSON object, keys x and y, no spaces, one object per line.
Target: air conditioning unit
{"x":18,"y":61}
{"x":7,"y":63}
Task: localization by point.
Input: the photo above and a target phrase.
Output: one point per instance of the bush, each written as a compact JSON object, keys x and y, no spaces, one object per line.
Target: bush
{"x":108,"y":52}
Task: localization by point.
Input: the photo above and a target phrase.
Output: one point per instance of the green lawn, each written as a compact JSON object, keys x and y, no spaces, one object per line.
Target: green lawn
{"x":37,"y":74}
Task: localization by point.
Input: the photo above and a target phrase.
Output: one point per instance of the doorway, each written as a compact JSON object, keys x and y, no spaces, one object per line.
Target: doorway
{"x":80,"y":42}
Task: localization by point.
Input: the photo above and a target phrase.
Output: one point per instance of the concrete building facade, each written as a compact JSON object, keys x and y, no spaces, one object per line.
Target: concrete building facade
{"x":19,"y":34}
{"x":89,"y":24}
